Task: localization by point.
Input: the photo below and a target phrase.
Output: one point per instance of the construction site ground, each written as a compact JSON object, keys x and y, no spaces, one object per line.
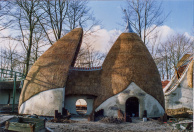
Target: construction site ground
{"x":80,"y":124}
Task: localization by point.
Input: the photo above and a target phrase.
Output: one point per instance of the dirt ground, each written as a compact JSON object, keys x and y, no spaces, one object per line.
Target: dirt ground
{"x":81,"y":124}
{"x":85,"y":126}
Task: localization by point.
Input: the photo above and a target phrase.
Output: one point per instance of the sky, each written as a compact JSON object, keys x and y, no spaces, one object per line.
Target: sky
{"x":181,"y":18}
{"x":109,"y":12}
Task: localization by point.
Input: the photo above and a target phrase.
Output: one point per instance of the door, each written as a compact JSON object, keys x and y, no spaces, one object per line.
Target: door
{"x":132,"y":107}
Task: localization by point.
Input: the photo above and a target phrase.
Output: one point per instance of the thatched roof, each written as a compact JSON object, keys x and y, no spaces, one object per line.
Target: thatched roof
{"x":190,"y":75}
{"x":84,"y":83}
{"x":183,"y":59}
{"x":51,"y":69}
{"x":129,"y":61}
{"x":185,"y":70}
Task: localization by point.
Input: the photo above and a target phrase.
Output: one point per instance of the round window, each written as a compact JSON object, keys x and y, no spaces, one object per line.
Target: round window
{"x":81,"y":106}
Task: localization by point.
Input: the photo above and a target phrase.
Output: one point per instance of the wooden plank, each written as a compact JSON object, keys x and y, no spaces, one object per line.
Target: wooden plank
{"x":6,"y":125}
{"x":32,"y":127}
{"x":25,"y":124}
{"x":19,"y":129}
{"x":15,"y":126}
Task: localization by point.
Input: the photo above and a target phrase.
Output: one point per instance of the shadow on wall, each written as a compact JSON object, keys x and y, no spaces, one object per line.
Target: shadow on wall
{"x":32,"y":79}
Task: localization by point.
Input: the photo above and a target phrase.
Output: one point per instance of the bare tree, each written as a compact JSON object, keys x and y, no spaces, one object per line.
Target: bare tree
{"x":171,"y":52}
{"x":27,"y":17}
{"x":39,"y":44}
{"x":54,"y":18}
{"x":145,"y":16}
{"x":38,"y":20}
{"x":5,"y":21}
{"x":88,"y":57}
{"x":11,"y":58}
{"x":179,"y":45}
{"x":61,"y":16}
{"x":4,"y":60}
{"x":76,"y":11}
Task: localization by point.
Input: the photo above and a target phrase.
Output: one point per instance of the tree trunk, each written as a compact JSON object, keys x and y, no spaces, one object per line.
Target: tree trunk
{"x":29,"y":52}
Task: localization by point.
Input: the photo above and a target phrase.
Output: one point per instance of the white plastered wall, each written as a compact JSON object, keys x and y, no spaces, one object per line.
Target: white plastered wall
{"x":70,"y":103}
{"x":181,"y":97}
{"x":44,"y":103}
{"x":146,"y":102}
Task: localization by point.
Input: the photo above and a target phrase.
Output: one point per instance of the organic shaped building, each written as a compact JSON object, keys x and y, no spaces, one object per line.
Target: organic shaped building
{"x":179,"y":91}
{"x":43,"y":88}
{"x":127,"y":81}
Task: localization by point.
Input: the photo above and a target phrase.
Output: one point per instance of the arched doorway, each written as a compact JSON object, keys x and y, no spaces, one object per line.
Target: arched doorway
{"x":132,"y":107}
{"x":81,"y":106}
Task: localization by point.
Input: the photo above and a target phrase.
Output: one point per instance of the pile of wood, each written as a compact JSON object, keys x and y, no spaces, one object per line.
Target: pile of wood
{"x":112,"y":120}
{"x":62,"y":121}
{"x":62,"y":117}
{"x":181,"y":112}
{"x":25,"y":124}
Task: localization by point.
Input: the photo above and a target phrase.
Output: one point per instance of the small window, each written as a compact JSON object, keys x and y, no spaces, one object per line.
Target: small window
{"x":81,"y":106}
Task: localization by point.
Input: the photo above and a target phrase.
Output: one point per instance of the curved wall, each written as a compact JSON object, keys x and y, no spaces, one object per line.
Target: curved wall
{"x":44,"y":103}
{"x":146,"y":102}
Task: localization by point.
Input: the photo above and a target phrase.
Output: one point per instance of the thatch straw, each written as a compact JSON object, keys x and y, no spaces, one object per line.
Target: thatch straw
{"x":129,"y":61}
{"x":183,"y":59}
{"x":51,"y":69}
{"x":83,"y":83}
{"x":190,"y":75}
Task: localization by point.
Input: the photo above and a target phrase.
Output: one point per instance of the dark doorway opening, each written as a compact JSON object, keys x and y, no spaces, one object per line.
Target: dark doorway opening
{"x":132,"y":107}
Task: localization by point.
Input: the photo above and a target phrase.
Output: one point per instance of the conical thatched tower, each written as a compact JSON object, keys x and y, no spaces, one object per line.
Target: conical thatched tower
{"x":128,"y":62}
{"x":43,"y":88}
